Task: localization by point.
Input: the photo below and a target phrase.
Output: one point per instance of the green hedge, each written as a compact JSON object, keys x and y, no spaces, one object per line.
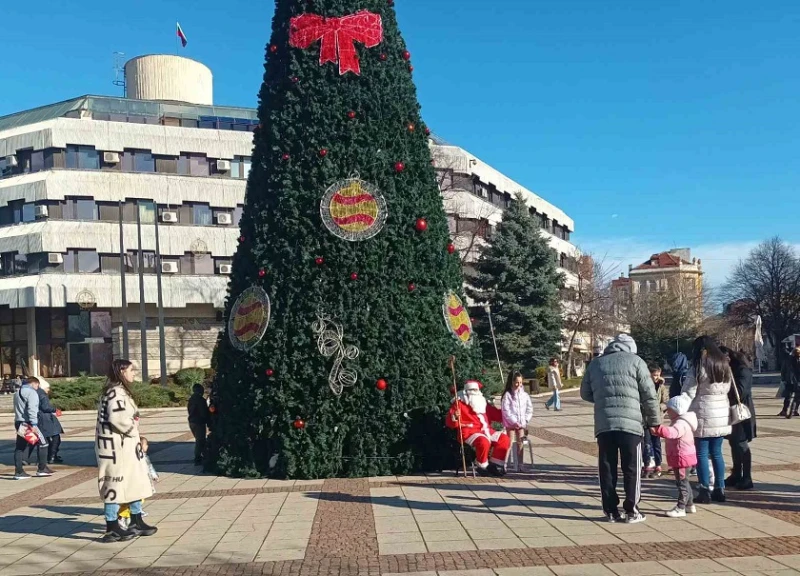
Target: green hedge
{"x":83,"y":393}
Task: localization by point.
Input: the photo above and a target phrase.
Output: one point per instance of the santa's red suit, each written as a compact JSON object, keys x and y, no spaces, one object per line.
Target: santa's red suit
{"x":477,"y":417}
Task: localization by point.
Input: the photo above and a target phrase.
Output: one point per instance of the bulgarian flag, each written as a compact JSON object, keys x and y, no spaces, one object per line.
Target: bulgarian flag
{"x":181,"y":35}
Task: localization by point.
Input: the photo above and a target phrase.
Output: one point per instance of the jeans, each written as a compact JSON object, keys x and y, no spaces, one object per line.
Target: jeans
{"x":111,"y":510}
{"x":710,"y":447}
{"x":555,"y":400}
{"x":651,"y":448}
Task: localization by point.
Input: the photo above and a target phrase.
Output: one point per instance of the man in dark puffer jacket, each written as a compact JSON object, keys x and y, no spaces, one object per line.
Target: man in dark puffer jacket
{"x":618,"y":383}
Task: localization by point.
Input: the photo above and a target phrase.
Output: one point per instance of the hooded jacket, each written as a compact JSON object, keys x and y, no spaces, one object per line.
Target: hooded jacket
{"x":710,"y":404}
{"x":619,"y":385}
{"x":680,"y":368}
{"x":26,"y":405}
{"x":679,"y":437}
{"x":517,"y":409}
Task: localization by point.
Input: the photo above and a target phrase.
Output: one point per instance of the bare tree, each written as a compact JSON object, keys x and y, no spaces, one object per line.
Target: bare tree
{"x":587,"y":304}
{"x":767,"y":283}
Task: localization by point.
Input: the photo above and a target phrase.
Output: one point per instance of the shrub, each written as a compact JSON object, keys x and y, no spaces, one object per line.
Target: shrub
{"x":190,"y":376}
{"x":541,"y":374}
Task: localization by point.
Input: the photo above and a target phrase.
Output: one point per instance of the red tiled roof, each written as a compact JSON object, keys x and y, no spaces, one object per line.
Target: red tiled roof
{"x":663,"y":260}
{"x":620,"y":282}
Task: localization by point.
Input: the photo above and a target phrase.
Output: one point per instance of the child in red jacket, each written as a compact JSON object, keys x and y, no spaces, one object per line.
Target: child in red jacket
{"x":681,"y":454}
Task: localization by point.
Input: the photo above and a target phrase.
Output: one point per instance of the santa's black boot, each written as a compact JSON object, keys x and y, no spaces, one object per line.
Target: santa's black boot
{"x":139,"y":527}
{"x":114,"y":533}
{"x":482,"y":471}
{"x":496,"y":470}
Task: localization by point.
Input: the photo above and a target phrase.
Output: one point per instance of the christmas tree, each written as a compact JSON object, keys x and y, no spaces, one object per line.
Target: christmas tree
{"x":345,"y":303}
{"x":516,"y":275}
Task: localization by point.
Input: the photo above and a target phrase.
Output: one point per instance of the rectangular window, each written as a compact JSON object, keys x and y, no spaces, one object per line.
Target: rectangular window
{"x":109,"y":264}
{"x":201,"y":215}
{"x":138,"y":161}
{"x":132,"y":262}
{"x":88,"y":261}
{"x":148,"y":212}
{"x":108,"y":211}
{"x":6,"y":216}
{"x":197,"y":264}
{"x":37,"y":161}
{"x":20,"y":263}
{"x":28,"y":214}
{"x":193,"y":164}
{"x":82,"y":157}
{"x":80,"y":209}
{"x":237,"y":214}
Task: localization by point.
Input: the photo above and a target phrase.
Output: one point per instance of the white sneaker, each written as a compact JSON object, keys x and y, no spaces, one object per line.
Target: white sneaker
{"x":676,"y":513}
{"x":636,"y":518}
{"x":691,"y":509}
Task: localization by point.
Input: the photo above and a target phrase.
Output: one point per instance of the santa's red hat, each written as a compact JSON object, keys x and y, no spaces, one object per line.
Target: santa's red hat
{"x":473,"y":384}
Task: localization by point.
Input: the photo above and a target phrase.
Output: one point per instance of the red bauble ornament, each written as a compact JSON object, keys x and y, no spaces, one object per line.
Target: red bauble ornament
{"x":412,"y":287}
{"x":406,"y":55}
{"x":295,"y":79}
{"x":452,"y":389}
{"x":353,"y":276}
{"x":390,"y":2}
{"x":299,"y":424}
{"x":421,"y":224}
{"x":285,"y":157}
{"x":212,"y":409}
{"x":451,"y":248}
{"x":273,"y":48}
{"x":381,"y":385}
{"x":262,"y":273}
{"x":399,"y":167}
{"x":411,"y":127}
{"x":323,"y":152}
{"x":351,"y":114}
{"x":383,"y":57}
{"x":319,"y":261}
{"x":270,"y":372}
{"x":410,"y":68}
{"x":241,"y":238}
{"x":427,"y":131}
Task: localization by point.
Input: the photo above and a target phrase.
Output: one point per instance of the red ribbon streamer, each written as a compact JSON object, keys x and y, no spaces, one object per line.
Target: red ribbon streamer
{"x":337,"y":36}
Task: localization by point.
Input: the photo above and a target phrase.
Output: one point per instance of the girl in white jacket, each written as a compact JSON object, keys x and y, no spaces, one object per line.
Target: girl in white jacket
{"x":517,"y":411}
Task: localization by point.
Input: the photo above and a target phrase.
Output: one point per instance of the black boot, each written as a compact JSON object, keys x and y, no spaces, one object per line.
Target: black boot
{"x":718,"y":495}
{"x":732,"y":480}
{"x":703,"y":496}
{"x":495,"y":470}
{"x":139,"y":527}
{"x":116,"y":534}
{"x":796,"y":410}
{"x":747,"y":463}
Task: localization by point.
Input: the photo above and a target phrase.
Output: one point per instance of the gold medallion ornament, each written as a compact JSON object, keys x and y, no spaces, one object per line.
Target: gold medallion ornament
{"x":249,"y":318}
{"x":457,"y":319}
{"x":353,"y":210}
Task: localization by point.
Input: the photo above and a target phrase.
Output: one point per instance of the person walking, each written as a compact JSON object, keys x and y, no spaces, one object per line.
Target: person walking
{"x":49,"y":425}
{"x":743,"y":432}
{"x":198,"y":421}
{"x":618,"y":383}
{"x":26,"y":413}
{"x":554,"y":383}
{"x":790,"y":374}
{"x":123,"y":475}
{"x":707,"y":386}
{"x":680,"y":368}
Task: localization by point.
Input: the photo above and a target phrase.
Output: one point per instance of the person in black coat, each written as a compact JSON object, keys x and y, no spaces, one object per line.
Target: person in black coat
{"x":743,"y":432}
{"x":49,"y":424}
{"x":198,"y":421}
{"x":790,"y":374}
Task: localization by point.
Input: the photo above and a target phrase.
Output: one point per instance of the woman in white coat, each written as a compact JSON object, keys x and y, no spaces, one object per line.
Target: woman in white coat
{"x":554,"y":383}
{"x":517,"y":411}
{"x":707,"y":385}
{"x":123,"y":474}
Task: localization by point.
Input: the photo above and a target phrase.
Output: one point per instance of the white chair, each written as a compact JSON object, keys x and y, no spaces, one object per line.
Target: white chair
{"x":511,"y":457}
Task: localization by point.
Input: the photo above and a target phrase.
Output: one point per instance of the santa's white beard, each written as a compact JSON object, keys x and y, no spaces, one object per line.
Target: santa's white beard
{"x":477,"y":402}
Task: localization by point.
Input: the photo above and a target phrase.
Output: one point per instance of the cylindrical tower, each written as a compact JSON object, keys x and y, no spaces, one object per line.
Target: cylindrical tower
{"x":166,"y":77}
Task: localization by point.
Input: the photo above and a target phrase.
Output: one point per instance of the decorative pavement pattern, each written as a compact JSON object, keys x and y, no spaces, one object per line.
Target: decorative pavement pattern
{"x":546,"y":520}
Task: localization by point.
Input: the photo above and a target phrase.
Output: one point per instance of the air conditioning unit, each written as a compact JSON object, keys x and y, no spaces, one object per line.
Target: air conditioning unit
{"x":225,"y":268}
{"x":169,"y":267}
{"x":223,"y":165}
{"x":169,"y":216}
{"x":55,"y":258}
{"x":224,"y":218}
{"x":111,"y":157}
{"x":10,"y":162}
{"x":40,"y":211}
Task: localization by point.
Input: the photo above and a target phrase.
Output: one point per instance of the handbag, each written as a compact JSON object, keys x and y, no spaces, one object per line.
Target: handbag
{"x":739,"y":412}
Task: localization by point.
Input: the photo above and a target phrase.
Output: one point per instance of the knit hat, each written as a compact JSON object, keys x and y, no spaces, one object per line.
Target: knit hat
{"x":679,"y":404}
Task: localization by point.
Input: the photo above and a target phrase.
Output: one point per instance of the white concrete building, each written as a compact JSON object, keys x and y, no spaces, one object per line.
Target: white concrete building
{"x":69,"y":171}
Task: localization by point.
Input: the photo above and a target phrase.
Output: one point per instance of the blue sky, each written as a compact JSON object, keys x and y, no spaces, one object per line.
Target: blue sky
{"x":652,"y":124}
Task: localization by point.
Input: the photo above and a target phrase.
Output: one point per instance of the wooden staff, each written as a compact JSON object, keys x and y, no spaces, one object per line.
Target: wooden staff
{"x":458,"y":413}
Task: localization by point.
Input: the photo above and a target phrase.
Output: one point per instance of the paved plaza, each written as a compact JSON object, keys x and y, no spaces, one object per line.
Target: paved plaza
{"x":543,"y":521}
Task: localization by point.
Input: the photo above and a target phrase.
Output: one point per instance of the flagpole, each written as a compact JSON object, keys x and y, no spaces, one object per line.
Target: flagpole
{"x":177,"y":39}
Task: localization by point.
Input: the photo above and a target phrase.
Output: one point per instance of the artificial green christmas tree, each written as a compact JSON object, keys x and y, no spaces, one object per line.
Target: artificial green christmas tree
{"x":516,"y":275}
{"x":344,"y":264}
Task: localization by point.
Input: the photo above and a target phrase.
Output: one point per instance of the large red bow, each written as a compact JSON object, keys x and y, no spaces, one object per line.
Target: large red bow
{"x":338,"y":36}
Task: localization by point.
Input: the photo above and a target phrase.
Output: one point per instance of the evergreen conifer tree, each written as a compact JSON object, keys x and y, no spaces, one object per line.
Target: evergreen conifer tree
{"x":344,"y":230}
{"x":516,"y":274}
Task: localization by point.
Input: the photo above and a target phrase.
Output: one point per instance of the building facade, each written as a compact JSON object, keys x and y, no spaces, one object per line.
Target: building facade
{"x":77,"y":175}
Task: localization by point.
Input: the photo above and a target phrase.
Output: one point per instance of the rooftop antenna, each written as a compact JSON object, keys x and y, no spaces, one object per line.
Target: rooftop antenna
{"x":119,"y":71}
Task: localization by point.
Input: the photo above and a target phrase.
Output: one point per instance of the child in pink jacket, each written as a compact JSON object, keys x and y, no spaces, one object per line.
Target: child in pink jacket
{"x":681,"y":455}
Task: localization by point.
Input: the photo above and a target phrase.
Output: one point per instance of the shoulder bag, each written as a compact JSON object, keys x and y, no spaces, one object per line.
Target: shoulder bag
{"x":739,"y":412}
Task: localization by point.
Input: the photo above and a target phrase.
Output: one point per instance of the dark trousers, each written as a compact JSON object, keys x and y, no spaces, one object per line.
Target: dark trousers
{"x":787,"y":401}
{"x":742,"y":458}
{"x":21,"y":449}
{"x":199,"y":433}
{"x":651,"y":448}
{"x":624,"y":448}
{"x":53,"y":444}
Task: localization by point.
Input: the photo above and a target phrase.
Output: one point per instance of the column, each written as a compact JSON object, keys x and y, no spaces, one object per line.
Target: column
{"x":33,"y":355}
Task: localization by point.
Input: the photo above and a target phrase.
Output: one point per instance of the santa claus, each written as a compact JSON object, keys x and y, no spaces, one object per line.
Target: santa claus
{"x":476,"y":418}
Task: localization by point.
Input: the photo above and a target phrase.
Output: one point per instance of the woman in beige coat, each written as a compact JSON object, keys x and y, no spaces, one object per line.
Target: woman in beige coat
{"x":123,"y":476}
